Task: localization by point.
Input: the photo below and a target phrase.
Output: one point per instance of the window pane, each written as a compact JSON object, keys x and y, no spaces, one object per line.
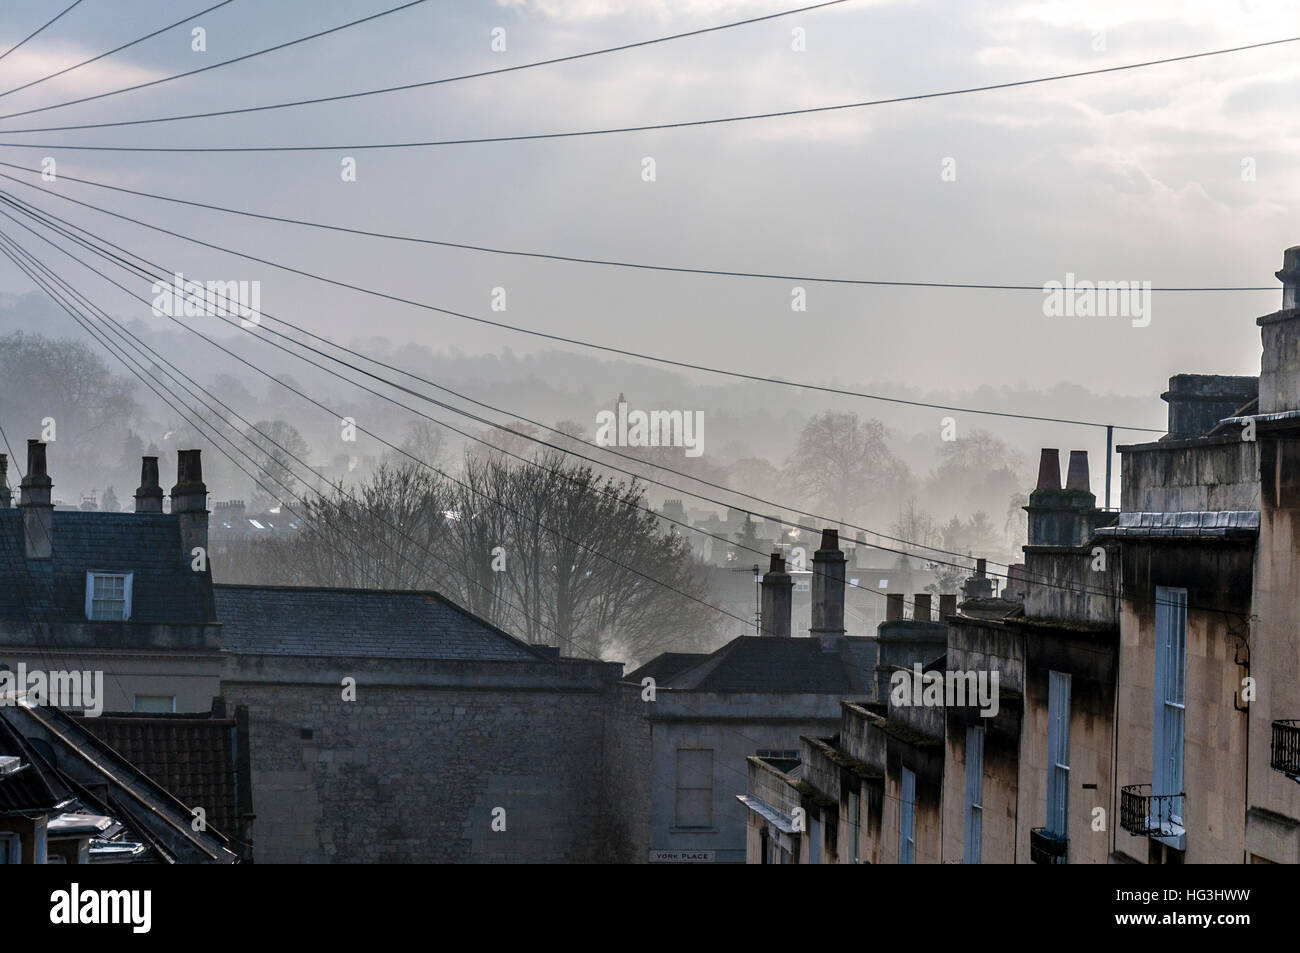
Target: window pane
{"x":155,"y":703}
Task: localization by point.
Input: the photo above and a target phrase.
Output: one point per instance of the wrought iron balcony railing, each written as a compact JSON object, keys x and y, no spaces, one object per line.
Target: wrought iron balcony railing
{"x":1155,"y":815}
{"x":1046,"y":847}
{"x":1286,"y":747}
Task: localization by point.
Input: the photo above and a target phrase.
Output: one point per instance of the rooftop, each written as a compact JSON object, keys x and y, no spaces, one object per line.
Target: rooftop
{"x":374,"y":623}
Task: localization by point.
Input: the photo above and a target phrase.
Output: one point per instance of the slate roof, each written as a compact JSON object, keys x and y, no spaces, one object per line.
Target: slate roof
{"x":192,"y":756}
{"x":164,"y":588}
{"x":662,"y":668}
{"x":27,"y":790}
{"x":751,"y":663}
{"x":1194,"y":523}
{"x":287,"y":620}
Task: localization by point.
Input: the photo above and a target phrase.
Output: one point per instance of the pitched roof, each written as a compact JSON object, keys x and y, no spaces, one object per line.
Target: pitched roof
{"x":193,"y":756}
{"x":751,"y":663}
{"x":164,"y":588}
{"x":25,"y":788}
{"x":287,"y":620}
{"x":662,"y":668}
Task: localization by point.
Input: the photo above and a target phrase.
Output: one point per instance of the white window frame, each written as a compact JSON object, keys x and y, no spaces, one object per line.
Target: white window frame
{"x":126,"y":577}
{"x":1058,"y":754}
{"x":972,"y":840}
{"x":907,"y":818}
{"x":1169,"y":719}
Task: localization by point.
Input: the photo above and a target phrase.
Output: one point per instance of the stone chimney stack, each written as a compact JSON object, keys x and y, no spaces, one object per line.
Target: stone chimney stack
{"x":38,"y":511}
{"x":149,"y":495}
{"x":775,"y":606}
{"x":1061,"y":516}
{"x":6,"y":494}
{"x":1290,"y":278}
{"x":190,"y":503}
{"x":828,"y":591}
{"x":980,"y":586}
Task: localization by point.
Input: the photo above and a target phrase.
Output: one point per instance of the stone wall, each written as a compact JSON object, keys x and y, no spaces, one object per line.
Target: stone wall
{"x":416,"y":767}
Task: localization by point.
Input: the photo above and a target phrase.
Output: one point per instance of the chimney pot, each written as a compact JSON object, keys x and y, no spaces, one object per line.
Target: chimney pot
{"x":1077,"y":478}
{"x":921,"y":608}
{"x":1049,"y":469}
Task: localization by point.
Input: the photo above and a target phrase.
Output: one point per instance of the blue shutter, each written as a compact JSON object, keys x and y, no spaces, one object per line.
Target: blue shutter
{"x":1170,"y":687}
{"x":974,"y":795}
{"x":907,"y":819}
{"x":1058,"y":754}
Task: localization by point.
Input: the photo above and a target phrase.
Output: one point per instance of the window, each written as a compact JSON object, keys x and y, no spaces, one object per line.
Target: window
{"x":815,"y":840}
{"x":974,"y":795}
{"x":694,"y":787}
{"x":1058,"y":754}
{"x":108,"y":596}
{"x":155,"y":703}
{"x":907,"y":819}
{"x":1170,"y":686}
{"x":11,"y":849}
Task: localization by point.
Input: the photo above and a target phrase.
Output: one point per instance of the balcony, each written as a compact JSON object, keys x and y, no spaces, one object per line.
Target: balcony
{"x":1046,"y":847}
{"x":1152,"y":815}
{"x":1286,"y":748}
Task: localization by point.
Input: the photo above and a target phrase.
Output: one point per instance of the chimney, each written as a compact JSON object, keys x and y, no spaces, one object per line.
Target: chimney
{"x":1290,"y":278}
{"x":893,"y":607}
{"x":38,"y":511}
{"x":1058,"y":516}
{"x":828,"y":591}
{"x":980,"y":586}
{"x":921,"y":608}
{"x":149,"y":495}
{"x":947,"y":605}
{"x":1279,"y":371}
{"x":6,"y":494}
{"x":1049,"y":470}
{"x":1077,"y":478}
{"x":190,"y":503}
{"x":776,"y":600}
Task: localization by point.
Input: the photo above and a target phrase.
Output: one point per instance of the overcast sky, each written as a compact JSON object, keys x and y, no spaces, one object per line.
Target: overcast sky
{"x":1134,"y":175}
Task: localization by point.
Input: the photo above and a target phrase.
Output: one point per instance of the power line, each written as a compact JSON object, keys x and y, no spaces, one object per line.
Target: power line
{"x":436,"y":82}
{"x":40,"y":28}
{"x":740,"y":375}
{"x":482,"y":140}
{"x":212,"y":66}
{"x":376,"y":436}
{"x":40,"y":216}
{"x":448,"y":476}
{"x":117,"y":49}
{"x":131,"y":267}
{"x":575,"y":259}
